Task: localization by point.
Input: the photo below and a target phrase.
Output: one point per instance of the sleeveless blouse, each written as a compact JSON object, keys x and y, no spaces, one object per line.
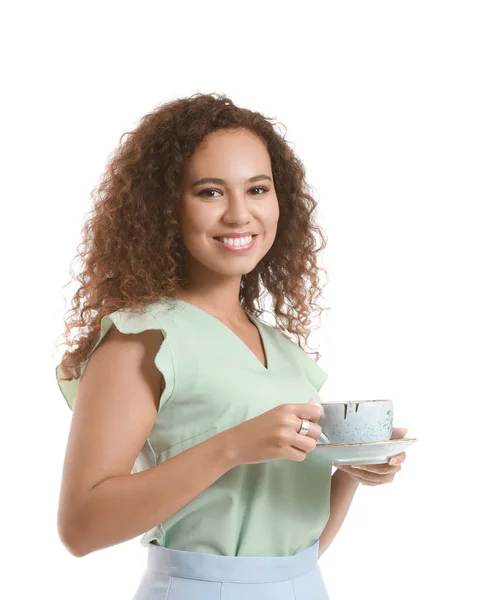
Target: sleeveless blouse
{"x":213,"y":382}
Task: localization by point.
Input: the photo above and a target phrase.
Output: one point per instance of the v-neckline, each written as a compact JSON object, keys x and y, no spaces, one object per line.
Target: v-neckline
{"x":256,"y":322}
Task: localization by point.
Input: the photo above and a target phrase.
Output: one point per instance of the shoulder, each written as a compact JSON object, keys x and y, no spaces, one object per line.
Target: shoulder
{"x":148,"y":339}
{"x":128,"y":342}
{"x":155,"y":315}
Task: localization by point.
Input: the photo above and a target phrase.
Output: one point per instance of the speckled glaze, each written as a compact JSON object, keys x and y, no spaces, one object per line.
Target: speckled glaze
{"x":356,"y":421}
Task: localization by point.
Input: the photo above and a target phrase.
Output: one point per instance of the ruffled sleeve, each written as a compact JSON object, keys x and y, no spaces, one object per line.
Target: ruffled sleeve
{"x":129,"y":323}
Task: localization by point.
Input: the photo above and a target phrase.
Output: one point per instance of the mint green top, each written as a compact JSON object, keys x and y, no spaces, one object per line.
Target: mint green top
{"x":214,"y":382}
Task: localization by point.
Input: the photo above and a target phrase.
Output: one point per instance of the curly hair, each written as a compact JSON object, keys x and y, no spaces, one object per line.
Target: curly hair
{"x":131,"y":248}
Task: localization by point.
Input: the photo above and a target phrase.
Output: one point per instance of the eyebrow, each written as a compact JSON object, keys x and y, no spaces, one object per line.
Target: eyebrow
{"x":222,"y":181}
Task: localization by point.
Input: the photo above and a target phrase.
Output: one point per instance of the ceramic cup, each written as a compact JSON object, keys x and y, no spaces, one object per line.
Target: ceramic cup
{"x":356,"y":421}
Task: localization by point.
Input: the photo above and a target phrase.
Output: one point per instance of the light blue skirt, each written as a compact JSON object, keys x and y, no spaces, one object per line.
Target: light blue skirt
{"x":182,"y":575}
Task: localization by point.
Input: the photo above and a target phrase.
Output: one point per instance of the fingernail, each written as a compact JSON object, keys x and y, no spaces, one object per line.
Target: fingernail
{"x":393,"y":461}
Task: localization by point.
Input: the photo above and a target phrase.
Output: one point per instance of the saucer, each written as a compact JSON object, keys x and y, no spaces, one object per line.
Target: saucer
{"x":363,"y":453}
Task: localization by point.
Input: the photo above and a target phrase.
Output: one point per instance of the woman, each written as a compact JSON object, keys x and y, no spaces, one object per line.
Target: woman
{"x":195,"y":421}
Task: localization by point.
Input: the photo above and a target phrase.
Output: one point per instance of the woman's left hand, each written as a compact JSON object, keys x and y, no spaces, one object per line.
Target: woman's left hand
{"x":377,"y":474}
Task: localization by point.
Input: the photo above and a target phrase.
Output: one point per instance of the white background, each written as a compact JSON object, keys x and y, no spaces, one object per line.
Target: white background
{"x":388,"y":104}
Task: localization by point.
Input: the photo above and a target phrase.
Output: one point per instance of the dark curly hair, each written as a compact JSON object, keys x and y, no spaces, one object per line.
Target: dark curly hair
{"x":131,"y":248}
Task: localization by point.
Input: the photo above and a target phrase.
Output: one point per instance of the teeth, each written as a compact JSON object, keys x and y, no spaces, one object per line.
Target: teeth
{"x":244,"y":241}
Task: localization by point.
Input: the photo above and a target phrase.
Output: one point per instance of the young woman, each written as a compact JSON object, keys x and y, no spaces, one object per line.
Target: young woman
{"x":195,"y":421}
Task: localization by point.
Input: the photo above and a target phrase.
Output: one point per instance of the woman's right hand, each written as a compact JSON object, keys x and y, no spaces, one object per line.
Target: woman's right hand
{"x":274,"y":434}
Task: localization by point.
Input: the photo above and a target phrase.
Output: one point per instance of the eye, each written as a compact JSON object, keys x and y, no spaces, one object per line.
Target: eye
{"x":260,"y":187}
{"x":205,"y":191}
{"x":202,"y":193}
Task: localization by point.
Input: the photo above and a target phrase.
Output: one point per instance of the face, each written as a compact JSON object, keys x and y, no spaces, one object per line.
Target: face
{"x":241,"y":200}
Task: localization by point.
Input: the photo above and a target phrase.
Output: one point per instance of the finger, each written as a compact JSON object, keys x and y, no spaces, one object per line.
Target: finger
{"x":355,"y":476}
{"x":380,"y":469}
{"x":397,"y":458}
{"x":314,"y":430}
{"x":398,"y":433}
{"x":311,"y":412}
{"x":304,"y":443}
{"x":366,"y":476}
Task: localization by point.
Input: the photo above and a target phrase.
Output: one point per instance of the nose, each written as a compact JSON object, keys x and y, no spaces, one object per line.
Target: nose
{"x":236,"y":208}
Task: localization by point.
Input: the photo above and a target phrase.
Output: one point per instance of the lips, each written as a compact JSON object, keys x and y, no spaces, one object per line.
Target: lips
{"x":238,"y":249}
{"x":234,"y":235}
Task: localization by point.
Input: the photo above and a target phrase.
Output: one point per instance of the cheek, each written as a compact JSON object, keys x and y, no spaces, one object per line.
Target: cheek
{"x":271,"y":224}
{"x":190,"y":233}
{"x":193,"y":221}
{"x":271,"y":233}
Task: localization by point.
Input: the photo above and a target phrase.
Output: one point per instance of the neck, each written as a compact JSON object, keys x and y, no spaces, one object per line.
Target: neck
{"x":221,"y":303}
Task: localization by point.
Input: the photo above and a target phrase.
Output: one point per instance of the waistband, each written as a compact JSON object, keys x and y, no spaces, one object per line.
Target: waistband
{"x":233,"y":569}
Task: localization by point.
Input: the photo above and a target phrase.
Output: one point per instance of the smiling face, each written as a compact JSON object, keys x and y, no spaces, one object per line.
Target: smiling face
{"x":244,"y":200}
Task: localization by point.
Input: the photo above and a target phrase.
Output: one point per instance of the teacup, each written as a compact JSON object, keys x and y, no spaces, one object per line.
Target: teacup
{"x":356,"y":421}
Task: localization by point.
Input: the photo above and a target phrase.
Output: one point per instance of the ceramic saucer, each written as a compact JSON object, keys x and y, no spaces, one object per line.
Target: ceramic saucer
{"x":363,"y":453}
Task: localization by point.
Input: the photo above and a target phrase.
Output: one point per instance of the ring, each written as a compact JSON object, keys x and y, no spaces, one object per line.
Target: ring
{"x":304,"y":427}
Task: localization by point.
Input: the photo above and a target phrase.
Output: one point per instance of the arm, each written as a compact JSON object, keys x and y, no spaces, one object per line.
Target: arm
{"x":343,"y":488}
{"x":101,"y":502}
{"x":120,"y":508}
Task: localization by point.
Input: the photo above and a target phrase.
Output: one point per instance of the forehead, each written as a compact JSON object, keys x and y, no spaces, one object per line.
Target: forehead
{"x":236,"y":153}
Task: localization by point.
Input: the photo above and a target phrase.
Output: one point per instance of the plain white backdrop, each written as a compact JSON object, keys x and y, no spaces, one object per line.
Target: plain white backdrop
{"x":388,"y":104}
